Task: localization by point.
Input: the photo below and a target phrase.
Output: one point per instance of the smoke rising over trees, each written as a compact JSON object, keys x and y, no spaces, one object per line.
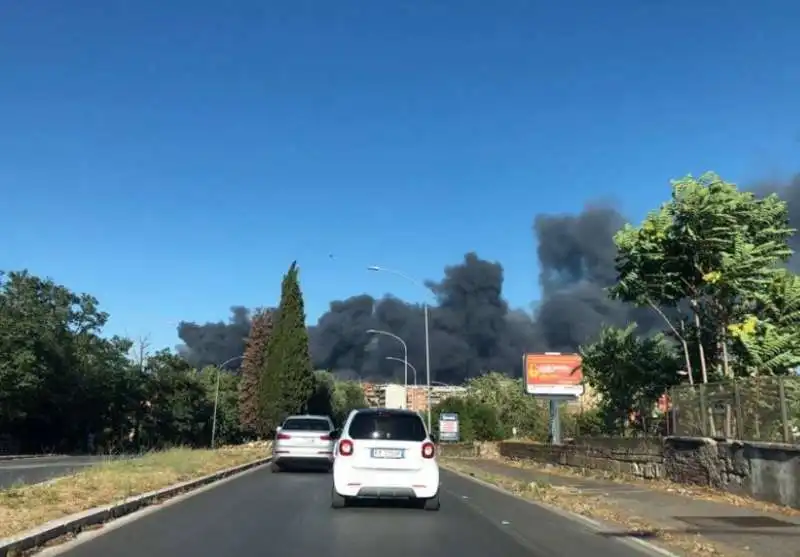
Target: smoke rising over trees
{"x":210,"y":344}
{"x":472,"y":327}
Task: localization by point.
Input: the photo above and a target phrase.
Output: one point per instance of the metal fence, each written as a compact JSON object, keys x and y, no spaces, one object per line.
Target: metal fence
{"x":753,"y":409}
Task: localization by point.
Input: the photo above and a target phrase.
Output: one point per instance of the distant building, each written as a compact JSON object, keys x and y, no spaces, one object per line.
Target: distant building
{"x":390,"y":395}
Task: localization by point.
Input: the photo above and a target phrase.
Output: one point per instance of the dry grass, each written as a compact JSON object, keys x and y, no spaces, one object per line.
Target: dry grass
{"x":665,"y":486}
{"x":27,"y":506}
{"x":598,"y":507}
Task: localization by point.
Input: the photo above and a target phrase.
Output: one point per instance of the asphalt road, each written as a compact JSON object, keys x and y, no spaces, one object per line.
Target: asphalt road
{"x":289,"y":514}
{"x":40,"y":469}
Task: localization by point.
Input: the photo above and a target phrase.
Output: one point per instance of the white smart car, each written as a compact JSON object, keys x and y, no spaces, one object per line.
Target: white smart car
{"x":384,"y":453}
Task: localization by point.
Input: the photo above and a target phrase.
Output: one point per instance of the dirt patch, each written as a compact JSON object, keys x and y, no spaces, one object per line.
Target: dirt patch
{"x":28,"y":506}
{"x":602,"y":508}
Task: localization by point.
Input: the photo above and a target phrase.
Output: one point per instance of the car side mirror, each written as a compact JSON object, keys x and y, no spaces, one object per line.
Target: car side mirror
{"x":278,"y":429}
{"x":335,"y":434}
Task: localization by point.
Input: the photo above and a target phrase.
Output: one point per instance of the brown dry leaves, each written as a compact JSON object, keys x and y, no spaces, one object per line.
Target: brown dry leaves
{"x":28,"y":506}
{"x":599,"y":508}
{"x":696,"y":492}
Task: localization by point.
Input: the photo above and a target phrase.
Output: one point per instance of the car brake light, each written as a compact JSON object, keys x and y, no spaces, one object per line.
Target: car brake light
{"x":284,"y":436}
{"x":325,"y":438}
{"x":345,"y":447}
{"x":428,"y":450}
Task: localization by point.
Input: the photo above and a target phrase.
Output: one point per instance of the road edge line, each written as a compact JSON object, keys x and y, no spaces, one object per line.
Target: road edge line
{"x":591,"y":523}
{"x":74,"y":524}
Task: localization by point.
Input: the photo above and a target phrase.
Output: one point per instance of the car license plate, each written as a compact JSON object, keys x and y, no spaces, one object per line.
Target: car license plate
{"x":387,"y":453}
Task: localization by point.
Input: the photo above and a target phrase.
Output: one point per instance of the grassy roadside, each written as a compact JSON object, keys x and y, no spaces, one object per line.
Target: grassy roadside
{"x":598,"y":507}
{"x":25,"y":507}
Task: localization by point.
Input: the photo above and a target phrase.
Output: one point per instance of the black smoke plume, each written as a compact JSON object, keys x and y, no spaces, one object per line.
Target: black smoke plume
{"x":472,"y":328}
{"x":212,"y":344}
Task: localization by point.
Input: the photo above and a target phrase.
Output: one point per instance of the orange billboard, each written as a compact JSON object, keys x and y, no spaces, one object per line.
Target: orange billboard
{"x":553,"y":374}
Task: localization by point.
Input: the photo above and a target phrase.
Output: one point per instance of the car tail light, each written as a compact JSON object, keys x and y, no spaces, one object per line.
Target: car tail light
{"x":284,"y":436}
{"x":325,"y":438}
{"x":428,"y":450}
{"x":345,"y":447}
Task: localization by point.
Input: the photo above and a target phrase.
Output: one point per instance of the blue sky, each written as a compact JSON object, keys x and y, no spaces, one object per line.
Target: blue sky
{"x":173,"y":157}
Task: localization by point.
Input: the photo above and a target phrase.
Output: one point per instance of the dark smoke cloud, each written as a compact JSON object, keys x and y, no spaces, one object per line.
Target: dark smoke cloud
{"x":471,"y":330}
{"x":472,"y":327}
{"x":215,"y":343}
{"x":576,"y":259}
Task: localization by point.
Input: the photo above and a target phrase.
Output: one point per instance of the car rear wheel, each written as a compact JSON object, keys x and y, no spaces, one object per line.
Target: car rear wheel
{"x":337,"y":501}
{"x":432,"y":504}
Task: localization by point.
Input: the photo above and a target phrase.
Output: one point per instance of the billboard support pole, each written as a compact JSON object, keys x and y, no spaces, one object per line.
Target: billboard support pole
{"x":555,"y":422}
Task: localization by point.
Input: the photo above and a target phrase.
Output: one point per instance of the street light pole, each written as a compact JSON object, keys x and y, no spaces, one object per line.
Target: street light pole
{"x":427,"y":333}
{"x":405,"y":363}
{"x":405,"y":358}
{"x":216,"y":397}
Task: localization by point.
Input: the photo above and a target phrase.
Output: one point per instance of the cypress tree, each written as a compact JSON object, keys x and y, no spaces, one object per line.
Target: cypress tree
{"x":288,"y":383}
{"x":254,"y":365}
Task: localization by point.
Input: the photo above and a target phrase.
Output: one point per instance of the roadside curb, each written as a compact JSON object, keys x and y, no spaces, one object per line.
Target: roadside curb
{"x":591,"y":523}
{"x":25,"y":456}
{"x":73,"y":524}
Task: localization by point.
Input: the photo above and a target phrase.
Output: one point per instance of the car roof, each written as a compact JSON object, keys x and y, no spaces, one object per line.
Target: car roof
{"x":308,"y":417}
{"x":388,"y":412}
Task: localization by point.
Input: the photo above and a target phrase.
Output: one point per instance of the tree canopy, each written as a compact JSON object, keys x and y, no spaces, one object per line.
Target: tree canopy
{"x":65,"y":386}
{"x":711,"y":263}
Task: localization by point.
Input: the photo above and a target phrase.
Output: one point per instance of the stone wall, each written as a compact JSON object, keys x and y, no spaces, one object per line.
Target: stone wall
{"x":766,"y":471}
{"x":478,"y":449}
{"x":640,"y":458}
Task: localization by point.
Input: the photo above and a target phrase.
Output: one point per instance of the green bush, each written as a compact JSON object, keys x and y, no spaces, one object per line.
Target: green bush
{"x":587,"y":423}
{"x":513,"y":407}
{"x":477,"y":421}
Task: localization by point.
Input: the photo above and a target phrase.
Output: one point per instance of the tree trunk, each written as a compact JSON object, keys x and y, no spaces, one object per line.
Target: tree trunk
{"x":686,"y":356}
{"x":726,"y":370}
{"x":712,"y":428}
{"x":701,"y":350}
{"x":679,"y":336}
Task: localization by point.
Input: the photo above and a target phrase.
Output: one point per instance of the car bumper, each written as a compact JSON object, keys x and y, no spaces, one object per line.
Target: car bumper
{"x":310,"y":455}
{"x":386,"y":484}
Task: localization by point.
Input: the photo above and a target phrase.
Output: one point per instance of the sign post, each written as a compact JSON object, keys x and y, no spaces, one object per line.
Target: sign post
{"x":448,"y":427}
{"x":556,"y":377}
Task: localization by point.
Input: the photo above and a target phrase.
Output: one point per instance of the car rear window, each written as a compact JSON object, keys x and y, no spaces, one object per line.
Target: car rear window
{"x":397,"y":427}
{"x":306,"y":424}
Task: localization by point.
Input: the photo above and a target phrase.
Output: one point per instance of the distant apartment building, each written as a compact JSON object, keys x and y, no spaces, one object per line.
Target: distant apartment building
{"x":390,"y":395}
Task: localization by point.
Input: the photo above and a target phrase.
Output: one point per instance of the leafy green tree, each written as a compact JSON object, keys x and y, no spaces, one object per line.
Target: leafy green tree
{"x":477,"y":420}
{"x":730,"y":245}
{"x":514,"y":408}
{"x":712,"y":249}
{"x":629,"y":372}
{"x":347,"y":396}
{"x":177,"y":406}
{"x":321,"y":401}
{"x":229,"y":428}
{"x":254,"y":366}
{"x":288,"y":381}
{"x":768,"y":339}
{"x":60,"y":380}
